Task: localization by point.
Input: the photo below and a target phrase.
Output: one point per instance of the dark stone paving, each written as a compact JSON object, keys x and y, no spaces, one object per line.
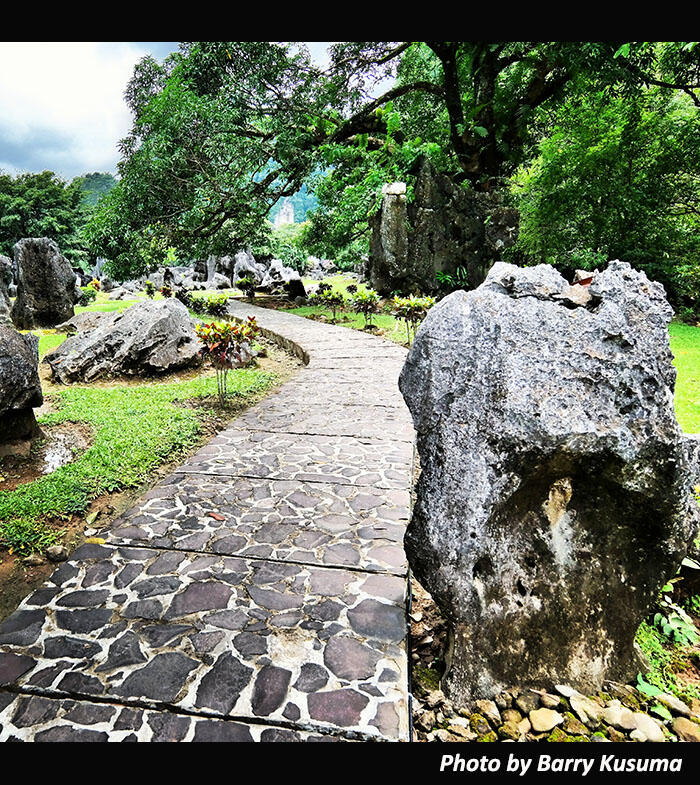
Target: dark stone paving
{"x":256,"y":594}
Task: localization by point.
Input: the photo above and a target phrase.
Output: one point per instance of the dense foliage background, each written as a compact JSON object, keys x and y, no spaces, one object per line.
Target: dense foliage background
{"x":596,"y":143}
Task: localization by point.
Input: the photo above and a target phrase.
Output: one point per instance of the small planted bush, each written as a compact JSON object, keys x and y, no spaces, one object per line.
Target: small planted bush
{"x":227,"y":346}
{"x":411,"y":310}
{"x":184,"y":296}
{"x":366,"y":302}
{"x":213,"y":304}
{"x":166,"y":291}
{"x":150,"y":288}
{"x":247,"y":284}
{"x":327,"y":297}
{"x":88,"y":294}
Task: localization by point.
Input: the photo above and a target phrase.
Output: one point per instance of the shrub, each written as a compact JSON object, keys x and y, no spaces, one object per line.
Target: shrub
{"x":184,"y":296}
{"x":166,"y":291}
{"x":94,"y":284}
{"x":366,"y":302}
{"x":227,"y":346}
{"x":213,"y":305}
{"x":411,"y":310}
{"x":327,"y":297}
{"x":247,"y":285}
{"x":150,"y":288}
{"x":87,"y":295}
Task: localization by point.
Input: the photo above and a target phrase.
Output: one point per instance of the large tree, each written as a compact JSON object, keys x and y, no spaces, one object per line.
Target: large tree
{"x":222,"y":130}
{"x":41,"y":205}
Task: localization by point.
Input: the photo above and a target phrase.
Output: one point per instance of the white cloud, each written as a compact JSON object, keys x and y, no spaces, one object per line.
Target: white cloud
{"x":62,"y":106}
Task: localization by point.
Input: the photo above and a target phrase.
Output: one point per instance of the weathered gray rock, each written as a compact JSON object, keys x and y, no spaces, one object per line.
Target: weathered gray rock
{"x":319,"y":268}
{"x":20,"y":386}
{"x":279,"y":278}
{"x":555,"y":492}
{"x":153,"y":336}
{"x":445,"y":227}
{"x":6,"y":277}
{"x":45,"y":284}
{"x":245,"y":264}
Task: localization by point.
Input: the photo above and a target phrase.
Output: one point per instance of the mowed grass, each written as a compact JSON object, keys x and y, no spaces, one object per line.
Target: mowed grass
{"x":136,"y":428}
{"x":685,"y":345}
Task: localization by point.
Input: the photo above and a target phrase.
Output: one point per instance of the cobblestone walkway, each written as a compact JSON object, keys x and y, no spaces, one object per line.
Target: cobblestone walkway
{"x":258,"y":593}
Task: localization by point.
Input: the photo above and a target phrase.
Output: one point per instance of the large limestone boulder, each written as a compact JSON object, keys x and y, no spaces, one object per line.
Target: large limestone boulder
{"x":20,"y":386}
{"x":555,"y":494}
{"x":245,"y":265}
{"x":445,"y":227}
{"x":151,"y":337}
{"x":45,"y":284}
{"x":282,"y":279}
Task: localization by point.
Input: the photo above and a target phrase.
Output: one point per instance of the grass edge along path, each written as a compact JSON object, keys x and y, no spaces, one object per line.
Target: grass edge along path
{"x":136,"y":428}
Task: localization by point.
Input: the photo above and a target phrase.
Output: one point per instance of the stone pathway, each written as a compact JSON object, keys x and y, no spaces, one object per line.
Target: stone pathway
{"x":258,"y":593}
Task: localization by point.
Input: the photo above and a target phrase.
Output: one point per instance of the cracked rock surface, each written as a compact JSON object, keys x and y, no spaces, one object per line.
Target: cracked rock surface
{"x":555,"y":493}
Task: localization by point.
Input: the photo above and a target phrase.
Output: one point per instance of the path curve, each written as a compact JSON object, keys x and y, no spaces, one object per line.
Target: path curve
{"x":258,"y":593}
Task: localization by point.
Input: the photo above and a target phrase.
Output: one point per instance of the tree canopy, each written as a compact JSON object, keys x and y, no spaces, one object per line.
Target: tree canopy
{"x":223,"y":130}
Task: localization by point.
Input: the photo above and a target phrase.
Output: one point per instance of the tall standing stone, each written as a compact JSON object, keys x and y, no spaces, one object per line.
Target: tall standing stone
{"x":444,"y":227}
{"x":45,"y":284}
{"x":555,"y":494}
{"x":6,"y":277}
{"x":20,"y":386}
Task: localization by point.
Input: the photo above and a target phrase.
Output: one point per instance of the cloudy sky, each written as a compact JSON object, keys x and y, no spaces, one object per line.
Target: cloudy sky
{"x":62,"y":105}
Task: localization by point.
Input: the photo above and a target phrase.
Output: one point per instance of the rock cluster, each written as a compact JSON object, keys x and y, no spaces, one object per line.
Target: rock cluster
{"x":555,"y":494}
{"x":444,"y":228}
{"x":6,"y":277}
{"x":151,"y":337}
{"x":46,"y":284}
{"x":20,"y":386}
{"x":619,"y":713}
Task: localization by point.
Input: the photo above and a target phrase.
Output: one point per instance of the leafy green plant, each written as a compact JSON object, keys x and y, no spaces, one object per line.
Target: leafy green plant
{"x":184,"y":296}
{"x":453,"y":281}
{"x":675,"y":623}
{"x":150,"y":288}
{"x":329,"y":298}
{"x":247,"y":284}
{"x":213,"y":304}
{"x":88,"y":294}
{"x":228,"y":346}
{"x":366,"y":302}
{"x":166,"y":291}
{"x":411,"y":310}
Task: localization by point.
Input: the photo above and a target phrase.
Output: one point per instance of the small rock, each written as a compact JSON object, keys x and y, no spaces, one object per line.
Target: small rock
{"x":543,"y":720}
{"x":512,"y":715}
{"x":527,"y":702}
{"x":504,"y":701}
{"x":417,"y":616}
{"x":565,"y":690}
{"x":489,"y":709}
{"x":509,"y":730}
{"x":615,"y":735}
{"x":524,"y":726}
{"x":90,"y":532}
{"x":92,"y":517}
{"x":648,"y":726}
{"x":478,"y":724}
{"x":637,"y":735}
{"x":573,"y":726}
{"x":425,"y":721}
{"x":434,"y":699}
{"x":57,"y":553}
{"x":673,"y":703}
{"x":442,"y":735}
{"x":686,"y":729}
{"x":33,"y":560}
{"x":459,"y":730}
{"x":550,"y":701}
{"x":586,"y":710}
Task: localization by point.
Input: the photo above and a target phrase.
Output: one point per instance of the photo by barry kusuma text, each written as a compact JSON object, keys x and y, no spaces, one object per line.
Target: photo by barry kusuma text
{"x":521,"y":765}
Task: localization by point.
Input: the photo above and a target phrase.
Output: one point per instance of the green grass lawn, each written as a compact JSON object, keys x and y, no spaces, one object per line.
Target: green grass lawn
{"x":685,"y":345}
{"x":136,"y":428}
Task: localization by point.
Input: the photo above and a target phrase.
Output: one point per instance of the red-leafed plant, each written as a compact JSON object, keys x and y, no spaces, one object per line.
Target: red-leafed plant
{"x":227,"y":346}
